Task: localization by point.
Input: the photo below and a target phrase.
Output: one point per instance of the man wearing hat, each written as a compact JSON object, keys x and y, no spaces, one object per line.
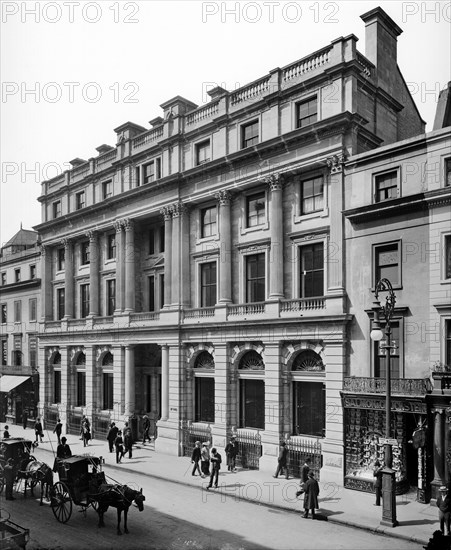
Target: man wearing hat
{"x":63,"y":451}
{"x":311,"y":492}
{"x":146,"y":428}
{"x":231,"y":451}
{"x":10,"y":474}
{"x":444,"y":509}
{"x":282,"y":460}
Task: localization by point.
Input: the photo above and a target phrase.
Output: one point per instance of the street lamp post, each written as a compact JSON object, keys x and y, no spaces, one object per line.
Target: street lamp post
{"x":388,"y":474}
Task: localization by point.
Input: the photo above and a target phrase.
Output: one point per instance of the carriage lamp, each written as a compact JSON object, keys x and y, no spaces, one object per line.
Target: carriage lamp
{"x":388,"y":474}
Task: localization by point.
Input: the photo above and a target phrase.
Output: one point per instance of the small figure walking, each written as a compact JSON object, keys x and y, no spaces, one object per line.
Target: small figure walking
{"x":205,"y":459}
{"x":86,"y":433}
{"x":9,"y":474}
{"x":128,"y":440}
{"x":215,"y":459}
{"x":311,"y":492}
{"x":444,"y":509}
{"x":377,"y":473}
{"x":195,"y":457}
{"x":231,"y":451}
{"x":58,"y":429}
{"x":6,"y":433}
{"x":119,"y":444}
{"x":24,"y":419}
{"x":282,"y":461}
{"x":146,"y":428}
{"x":38,"y":429}
{"x":84,"y":422}
{"x":111,"y":436}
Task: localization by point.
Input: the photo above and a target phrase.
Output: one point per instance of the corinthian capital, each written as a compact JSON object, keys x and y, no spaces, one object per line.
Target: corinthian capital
{"x":118,"y":226}
{"x":274,"y":182}
{"x":128,"y":224}
{"x":335,"y":162}
{"x":166,"y":212}
{"x":92,"y":235}
{"x":66,"y":242}
{"x":223,"y":197}
{"x":179,"y":209}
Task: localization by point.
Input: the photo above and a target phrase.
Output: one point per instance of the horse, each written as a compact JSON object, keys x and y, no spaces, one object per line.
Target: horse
{"x":39,"y":472}
{"x":120,"y":497}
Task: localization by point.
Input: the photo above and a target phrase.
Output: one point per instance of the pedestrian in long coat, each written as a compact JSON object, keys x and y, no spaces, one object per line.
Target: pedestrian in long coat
{"x":205,"y":459}
{"x":24,"y":419}
{"x":311,"y":492}
{"x":146,"y":428}
{"x":444,"y":509}
{"x":195,"y":457}
{"x":377,"y":473}
{"x":231,"y":451}
{"x":128,"y":440}
{"x":111,"y":436}
{"x":282,"y":460}
{"x":58,"y":429}
{"x":38,"y":430}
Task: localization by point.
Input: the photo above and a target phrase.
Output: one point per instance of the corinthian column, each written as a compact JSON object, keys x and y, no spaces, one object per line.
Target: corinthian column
{"x":68,"y":278}
{"x":225,"y":257}
{"x":46,"y":285}
{"x":276,"y":226}
{"x":167,"y":215}
{"x":180,"y":254}
{"x":119,"y":266}
{"x":164,"y":382}
{"x":439,"y":451}
{"x":93,"y":273}
{"x":129,"y":380}
{"x":129,"y":261}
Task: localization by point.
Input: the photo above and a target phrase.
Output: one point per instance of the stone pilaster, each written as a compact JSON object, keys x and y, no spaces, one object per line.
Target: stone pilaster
{"x":129,"y":261}
{"x":46,"y":283}
{"x":275,"y":182}
{"x":167,"y":214}
{"x":120,"y":279}
{"x":66,"y":377}
{"x":164,"y":382}
{"x":180,"y":256}
{"x":91,"y":380}
{"x":69,"y":261}
{"x":118,"y":382}
{"x":94,"y":265}
{"x":225,"y":258}
{"x":335,"y":254}
{"x":273,"y":413}
{"x":222,"y":396}
{"x":129,"y":380}
{"x":439,"y":453}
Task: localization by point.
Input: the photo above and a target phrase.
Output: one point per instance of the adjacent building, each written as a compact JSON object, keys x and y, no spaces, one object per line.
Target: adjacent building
{"x":20,"y":295}
{"x":196,"y":271}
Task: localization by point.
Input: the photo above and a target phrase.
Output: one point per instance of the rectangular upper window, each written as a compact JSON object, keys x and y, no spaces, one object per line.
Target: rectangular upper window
{"x":203,"y":152}
{"x":152,"y":171}
{"x":387,"y":263}
{"x":60,"y":260}
{"x":255,"y":209}
{"x":4,"y":313}
{"x":56,"y":209}
{"x":208,"y":284}
{"x":312,"y":270}
{"x":255,"y":278}
{"x":386,"y":186}
{"x":162,"y":238}
{"x":448,"y":342}
{"x":84,"y":253}
{"x":80,"y":200}
{"x":448,"y":172}
{"x":306,"y":112}
{"x":111,"y":246}
{"x":32,"y":309}
{"x":17,"y":311}
{"x":208,"y":221}
{"x":380,"y":356}
{"x":107,"y":189}
{"x":60,"y":301}
{"x":17,"y":275}
{"x":84,"y":301}
{"x":151,"y":241}
{"x":249,"y":134}
{"x":3,"y":278}
{"x":110,"y":296}
{"x":32,"y":271}
{"x":447,"y":266}
{"x":312,"y":195}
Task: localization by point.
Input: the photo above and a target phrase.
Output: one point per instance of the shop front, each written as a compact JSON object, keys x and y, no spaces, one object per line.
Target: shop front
{"x":364,"y":434}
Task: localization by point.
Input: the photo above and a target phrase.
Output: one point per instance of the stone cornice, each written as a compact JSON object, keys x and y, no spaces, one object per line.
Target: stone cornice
{"x":23,"y":285}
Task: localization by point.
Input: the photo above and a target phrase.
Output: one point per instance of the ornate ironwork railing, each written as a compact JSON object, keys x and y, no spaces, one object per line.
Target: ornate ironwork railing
{"x":249,"y":449}
{"x":301,"y":449}
{"x":100,"y":424}
{"x":74,"y":422}
{"x":399,"y":386}
{"x":192,"y":433}
{"x":51,"y":416}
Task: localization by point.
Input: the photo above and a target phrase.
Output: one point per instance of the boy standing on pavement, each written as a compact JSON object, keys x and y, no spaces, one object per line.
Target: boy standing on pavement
{"x":215,"y":459}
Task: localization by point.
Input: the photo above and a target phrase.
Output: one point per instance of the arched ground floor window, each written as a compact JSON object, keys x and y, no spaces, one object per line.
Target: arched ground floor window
{"x":252,"y":403}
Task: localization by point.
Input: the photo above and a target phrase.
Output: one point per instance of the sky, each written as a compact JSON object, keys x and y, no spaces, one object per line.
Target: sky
{"x":72,"y":71}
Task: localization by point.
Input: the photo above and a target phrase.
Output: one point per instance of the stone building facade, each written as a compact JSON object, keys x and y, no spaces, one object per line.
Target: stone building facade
{"x":20,"y":295}
{"x":398,"y":226}
{"x":196,"y":270}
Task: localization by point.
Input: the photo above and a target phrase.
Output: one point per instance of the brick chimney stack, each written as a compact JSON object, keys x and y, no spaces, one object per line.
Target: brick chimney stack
{"x":381,"y":34}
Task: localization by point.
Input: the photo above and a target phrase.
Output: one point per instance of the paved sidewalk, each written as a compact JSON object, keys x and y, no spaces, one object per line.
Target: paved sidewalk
{"x":417,"y":521}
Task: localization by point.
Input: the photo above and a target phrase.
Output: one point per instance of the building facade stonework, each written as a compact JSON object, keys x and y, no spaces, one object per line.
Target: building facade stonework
{"x":196,"y":271}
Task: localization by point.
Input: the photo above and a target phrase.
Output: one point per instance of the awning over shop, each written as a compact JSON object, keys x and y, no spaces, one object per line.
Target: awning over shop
{"x":9,"y":382}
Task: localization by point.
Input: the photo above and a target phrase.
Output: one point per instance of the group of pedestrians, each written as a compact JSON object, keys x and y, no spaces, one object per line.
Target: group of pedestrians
{"x":121,"y":443}
{"x":210,"y":461}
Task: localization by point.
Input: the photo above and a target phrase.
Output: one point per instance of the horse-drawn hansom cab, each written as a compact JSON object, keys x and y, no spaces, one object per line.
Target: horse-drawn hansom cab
{"x":83,"y":483}
{"x":19,"y":450}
